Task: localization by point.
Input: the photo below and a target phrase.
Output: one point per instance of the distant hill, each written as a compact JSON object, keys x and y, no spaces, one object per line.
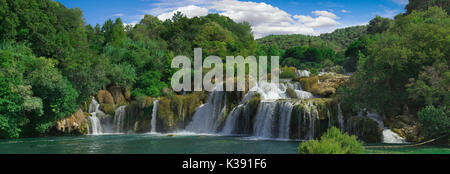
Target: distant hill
{"x":338,"y":40}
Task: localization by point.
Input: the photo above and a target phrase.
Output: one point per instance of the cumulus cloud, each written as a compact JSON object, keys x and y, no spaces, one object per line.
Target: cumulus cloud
{"x":265,"y":19}
{"x":190,"y":11}
{"x":345,"y":11}
{"x":325,"y":14}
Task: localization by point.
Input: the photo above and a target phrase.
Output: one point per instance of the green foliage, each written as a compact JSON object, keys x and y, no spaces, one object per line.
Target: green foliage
{"x":435,"y":121}
{"x":378,"y":25}
{"x":332,"y":142}
{"x":149,"y":84}
{"x":424,"y":5}
{"x":337,"y":40}
{"x":288,"y":73}
{"x":413,"y":43}
{"x":432,"y":86}
{"x":34,"y":93}
{"x":122,"y":75}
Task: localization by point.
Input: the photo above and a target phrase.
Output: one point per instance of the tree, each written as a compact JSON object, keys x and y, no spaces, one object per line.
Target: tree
{"x":435,"y":121}
{"x":414,"y":42}
{"x":378,"y":25}
{"x":424,"y":5}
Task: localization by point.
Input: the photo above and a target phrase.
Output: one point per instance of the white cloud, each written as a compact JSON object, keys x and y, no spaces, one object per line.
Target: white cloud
{"x":265,"y":19}
{"x":325,"y":14}
{"x":400,"y":2}
{"x":190,"y":11}
{"x":118,"y":15}
{"x":345,"y":11}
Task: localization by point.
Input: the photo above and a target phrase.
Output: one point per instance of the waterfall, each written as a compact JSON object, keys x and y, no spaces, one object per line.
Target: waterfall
{"x":303,"y":73}
{"x":388,"y":136}
{"x":270,"y":91}
{"x":207,"y":117}
{"x":264,"y":119}
{"x":340,"y":118}
{"x":154,"y":114}
{"x":232,"y":121}
{"x":94,"y":121}
{"x":285,"y":111}
{"x":96,"y":126}
{"x":310,"y":115}
{"x":119,"y":119}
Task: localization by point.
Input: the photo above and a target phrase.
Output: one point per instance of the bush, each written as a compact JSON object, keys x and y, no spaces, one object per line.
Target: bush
{"x":288,"y":73}
{"x":435,"y":121}
{"x":332,"y":142}
{"x":291,"y":93}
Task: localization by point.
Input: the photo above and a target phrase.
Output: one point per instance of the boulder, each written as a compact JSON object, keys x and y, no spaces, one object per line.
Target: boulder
{"x":105,"y":97}
{"x":117,"y":94}
{"x":407,"y":127}
{"x":76,"y":124}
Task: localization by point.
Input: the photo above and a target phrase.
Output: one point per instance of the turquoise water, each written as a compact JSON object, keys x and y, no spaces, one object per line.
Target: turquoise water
{"x":177,"y":144}
{"x":146,"y":144}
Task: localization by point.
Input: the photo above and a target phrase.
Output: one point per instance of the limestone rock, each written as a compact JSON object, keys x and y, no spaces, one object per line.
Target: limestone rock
{"x":75,"y":124}
{"x":105,"y":97}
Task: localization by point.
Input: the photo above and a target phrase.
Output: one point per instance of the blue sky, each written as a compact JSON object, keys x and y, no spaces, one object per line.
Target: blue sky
{"x":311,"y":17}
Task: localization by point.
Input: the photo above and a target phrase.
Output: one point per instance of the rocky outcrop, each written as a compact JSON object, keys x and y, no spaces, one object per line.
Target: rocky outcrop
{"x":76,"y":124}
{"x":105,"y":97}
{"x":324,"y":85}
{"x":407,"y":127}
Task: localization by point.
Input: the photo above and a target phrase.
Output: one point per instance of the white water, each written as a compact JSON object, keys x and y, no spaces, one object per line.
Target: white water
{"x":388,"y":136}
{"x":154,"y":114}
{"x":285,"y":111}
{"x":119,"y":119}
{"x":303,"y":73}
{"x":206,"y":117}
{"x":95,"y":125}
{"x":232,"y":120}
{"x":264,"y":119}
{"x":310,"y":115}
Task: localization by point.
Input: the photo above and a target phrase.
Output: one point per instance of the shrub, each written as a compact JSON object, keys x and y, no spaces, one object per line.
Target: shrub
{"x":332,"y":142}
{"x":291,"y":93}
{"x":288,"y":73}
{"x":435,"y":121}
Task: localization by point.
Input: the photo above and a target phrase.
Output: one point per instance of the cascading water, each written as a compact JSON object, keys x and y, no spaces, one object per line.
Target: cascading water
{"x":207,"y":117}
{"x":154,"y":114}
{"x":340,"y":117}
{"x":285,"y":110}
{"x":95,"y":126}
{"x":388,"y":136}
{"x":273,"y":117}
{"x":264,"y":119}
{"x":119,"y":119}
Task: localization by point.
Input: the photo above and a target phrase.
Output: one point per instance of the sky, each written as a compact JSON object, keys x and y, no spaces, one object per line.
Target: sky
{"x":310,"y":17}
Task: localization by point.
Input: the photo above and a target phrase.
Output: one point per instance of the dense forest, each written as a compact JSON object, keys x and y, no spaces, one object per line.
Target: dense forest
{"x":51,"y":62}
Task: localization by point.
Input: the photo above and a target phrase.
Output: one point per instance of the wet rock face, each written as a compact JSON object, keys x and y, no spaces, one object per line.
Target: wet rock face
{"x":365,"y":129}
{"x":76,"y":124}
{"x":407,"y":127}
{"x":117,"y":94}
